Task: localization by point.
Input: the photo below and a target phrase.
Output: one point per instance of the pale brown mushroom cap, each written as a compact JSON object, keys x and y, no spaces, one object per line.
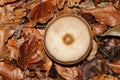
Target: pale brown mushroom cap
{"x":67,"y":39}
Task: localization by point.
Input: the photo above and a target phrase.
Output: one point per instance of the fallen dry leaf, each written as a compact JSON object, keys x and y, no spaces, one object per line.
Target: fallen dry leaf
{"x":10,"y":71}
{"x":115,"y":66}
{"x":107,"y":15}
{"x":93,"y":51}
{"x":28,"y":50}
{"x":5,"y":33}
{"x":42,"y":12}
{"x":100,"y":1}
{"x":2,"y":2}
{"x":72,"y":3}
{"x":104,"y":77}
{"x":115,"y":31}
{"x":60,"y":3}
{"x":67,"y":10}
{"x":98,"y":29}
{"x":68,"y":73}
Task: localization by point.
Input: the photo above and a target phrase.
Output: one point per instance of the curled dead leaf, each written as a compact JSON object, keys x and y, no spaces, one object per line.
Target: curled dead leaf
{"x":115,"y":66}
{"x":5,"y":33}
{"x":28,"y":51}
{"x":104,"y":77}
{"x":72,"y":3}
{"x":60,"y":3}
{"x":98,"y":29}
{"x":68,"y":73}
{"x":108,"y":15}
{"x":67,"y":10}
{"x":99,"y":1}
{"x":2,"y":2}
{"x":10,"y":71}
{"x":42,"y":12}
{"x":115,"y":31}
{"x":93,"y":51}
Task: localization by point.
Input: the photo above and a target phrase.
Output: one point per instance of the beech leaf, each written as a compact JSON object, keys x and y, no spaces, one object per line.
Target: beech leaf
{"x":42,"y":12}
{"x":28,"y":50}
{"x":10,"y":71}
{"x":104,"y":77}
{"x":108,"y":15}
{"x":115,"y":66}
{"x":68,"y":73}
{"x":115,"y":31}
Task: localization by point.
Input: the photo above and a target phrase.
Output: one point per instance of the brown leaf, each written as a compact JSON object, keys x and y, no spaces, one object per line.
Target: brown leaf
{"x":99,"y":1}
{"x":60,"y":3}
{"x":117,"y":4}
{"x":115,"y":31}
{"x":104,"y":77}
{"x":107,"y":15}
{"x":68,"y":73}
{"x":10,"y":71}
{"x":28,"y":50}
{"x":42,"y":12}
{"x":5,"y":33}
{"x":67,"y":10}
{"x":115,"y":66}
{"x":98,"y":28}
{"x":72,"y":3}
{"x":93,"y":51}
{"x":2,"y":2}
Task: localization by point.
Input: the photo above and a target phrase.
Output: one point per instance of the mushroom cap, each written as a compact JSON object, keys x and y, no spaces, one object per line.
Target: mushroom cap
{"x":68,"y":39}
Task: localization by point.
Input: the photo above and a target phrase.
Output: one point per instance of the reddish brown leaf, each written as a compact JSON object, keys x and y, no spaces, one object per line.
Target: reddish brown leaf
{"x":98,"y":29}
{"x":115,"y":66}
{"x":67,"y":10}
{"x":10,"y":71}
{"x":60,"y":3}
{"x":99,"y":1}
{"x":5,"y":33}
{"x":2,"y":2}
{"x":68,"y":73}
{"x":42,"y":12}
{"x":104,"y":77}
{"x":28,"y":50}
{"x":107,"y":15}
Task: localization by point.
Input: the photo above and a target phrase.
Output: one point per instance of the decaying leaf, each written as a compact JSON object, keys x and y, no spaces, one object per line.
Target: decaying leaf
{"x":67,"y":10}
{"x":72,"y":3}
{"x":117,"y":4}
{"x":10,"y":71}
{"x":115,"y":66}
{"x":98,"y":29}
{"x":2,"y":2}
{"x":107,"y":15}
{"x":42,"y":12}
{"x":115,"y":31}
{"x":104,"y":77}
{"x":60,"y":3}
{"x":68,"y":73}
{"x":28,"y":50}
{"x":111,"y":49}
{"x":5,"y":33}
{"x":93,"y":51}
{"x":100,"y":1}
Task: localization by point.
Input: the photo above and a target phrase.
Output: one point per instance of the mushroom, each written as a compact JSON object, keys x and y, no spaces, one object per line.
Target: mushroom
{"x":67,"y":39}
